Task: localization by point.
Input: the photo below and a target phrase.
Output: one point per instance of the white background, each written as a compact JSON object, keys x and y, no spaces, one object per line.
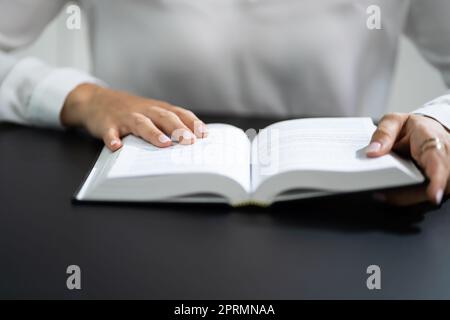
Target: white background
{"x":415,"y":83}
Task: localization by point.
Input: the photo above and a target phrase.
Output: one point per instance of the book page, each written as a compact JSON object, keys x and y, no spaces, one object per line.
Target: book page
{"x":226,"y":151}
{"x":324,"y":144}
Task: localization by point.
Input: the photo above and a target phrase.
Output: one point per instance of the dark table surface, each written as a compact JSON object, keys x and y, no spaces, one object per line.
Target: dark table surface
{"x":310,"y":249}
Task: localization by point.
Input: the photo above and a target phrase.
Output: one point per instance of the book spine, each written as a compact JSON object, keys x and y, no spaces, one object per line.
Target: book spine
{"x":251,"y":203}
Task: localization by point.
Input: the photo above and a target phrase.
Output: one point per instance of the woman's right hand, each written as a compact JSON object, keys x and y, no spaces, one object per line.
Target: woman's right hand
{"x":111,"y":115}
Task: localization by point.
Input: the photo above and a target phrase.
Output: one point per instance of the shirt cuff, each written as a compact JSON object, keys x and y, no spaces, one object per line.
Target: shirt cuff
{"x":438,"y":109}
{"x":48,"y":97}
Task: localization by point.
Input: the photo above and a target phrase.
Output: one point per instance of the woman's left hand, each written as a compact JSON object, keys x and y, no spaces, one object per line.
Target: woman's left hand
{"x":428,"y":142}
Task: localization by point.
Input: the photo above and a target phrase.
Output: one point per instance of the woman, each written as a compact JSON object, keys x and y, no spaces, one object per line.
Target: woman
{"x":271,"y":57}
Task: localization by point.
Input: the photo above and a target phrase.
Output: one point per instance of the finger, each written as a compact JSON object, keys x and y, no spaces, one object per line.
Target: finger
{"x":403,"y":197}
{"x":171,"y":124}
{"x":437,"y":170}
{"x":143,"y":127}
{"x":384,"y":137}
{"x":191,"y":121}
{"x":112,"y":139}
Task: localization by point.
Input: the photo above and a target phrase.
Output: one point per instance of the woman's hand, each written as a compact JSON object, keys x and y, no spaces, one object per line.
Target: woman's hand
{"x":428,"y":142}
{"x":110,"y":115}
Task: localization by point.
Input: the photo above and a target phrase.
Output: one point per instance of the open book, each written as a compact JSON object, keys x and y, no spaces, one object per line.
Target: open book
{"x":288,"y":160}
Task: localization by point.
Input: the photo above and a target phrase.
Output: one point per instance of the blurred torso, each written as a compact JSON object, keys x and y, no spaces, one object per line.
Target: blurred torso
{"x":259,"y":57}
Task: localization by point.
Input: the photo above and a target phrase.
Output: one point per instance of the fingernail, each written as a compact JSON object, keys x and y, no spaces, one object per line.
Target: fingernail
{"x":203,"y":128}
{"x":200,"y":129}
{"x":114,"y":143}
{"x":163,"y":138}
{"x":379,"y":197}
{"x":188,"y":135}
{"x":439,"y":196}
{"x":373,"y":147}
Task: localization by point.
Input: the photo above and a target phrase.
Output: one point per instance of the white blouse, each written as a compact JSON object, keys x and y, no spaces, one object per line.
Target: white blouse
{"x":254,"y":57}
